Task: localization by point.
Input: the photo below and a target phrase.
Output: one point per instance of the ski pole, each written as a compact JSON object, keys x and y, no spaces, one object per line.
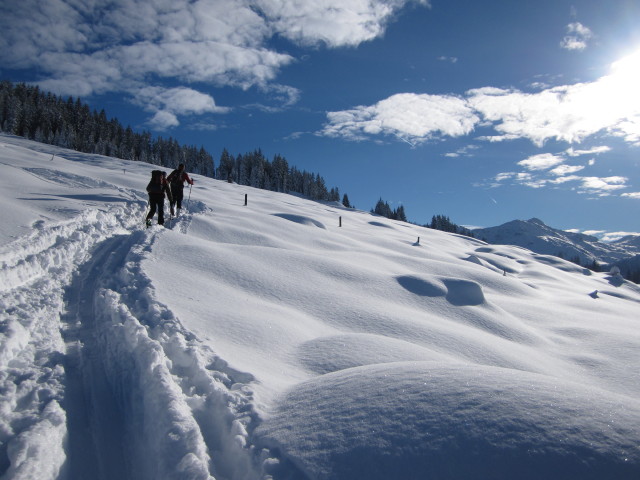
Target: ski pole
{"x":190,"y":187}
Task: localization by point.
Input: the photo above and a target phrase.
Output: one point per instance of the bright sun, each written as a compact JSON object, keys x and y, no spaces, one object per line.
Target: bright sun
{"x":627,"y":68}
{"x":623,"y":91}
{"x":612,"y":102}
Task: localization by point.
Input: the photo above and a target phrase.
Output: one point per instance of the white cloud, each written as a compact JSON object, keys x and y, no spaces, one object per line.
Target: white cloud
{"x":31,"y":27}
{"x":181,"y":100}
{"x":591,"y":151}
{"x":411,"y":117}
{"x":577,"y":37}
{"x":122,"y":45}
{"x":497,"y":138}
{"x":632,"y":195}
{"x":284,"y":95}
{"x":562,"y":170}
{"x":567,"y":113}
{"x":93,"y":47}
{"x":601,"y":186}
{"x":592,"y":232}
{"x":630,"y":130}
{"x":542,"y":161}
{"x":462,"y":152}
{"x":163,"y":120}
{"x":519,"y":178}
{"x":573,"y":43}
{"x":206,"y":40}
{"x":613,"y":236}
{"x":221,"y":41}
{"x":504,"y":176}
{"x":333,"y":23}
{"x":168,"y":103}
{"x":604,"y":184}
{"x":515,"y":114}
{"x":565,"y":179}
{"x":537,"y":183}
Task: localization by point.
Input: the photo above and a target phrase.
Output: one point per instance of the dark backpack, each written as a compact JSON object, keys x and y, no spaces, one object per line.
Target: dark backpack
{"x":155,"y":185}
{"x":176,"y":177}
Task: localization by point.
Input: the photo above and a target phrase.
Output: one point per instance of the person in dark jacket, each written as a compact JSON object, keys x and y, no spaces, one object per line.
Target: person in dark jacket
{"x":157,"y":188}
{"x":177,"y":179}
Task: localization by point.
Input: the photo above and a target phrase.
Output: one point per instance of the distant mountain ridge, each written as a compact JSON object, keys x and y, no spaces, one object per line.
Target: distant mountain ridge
{"x":538,"y":237}
{"x":630,"y":241}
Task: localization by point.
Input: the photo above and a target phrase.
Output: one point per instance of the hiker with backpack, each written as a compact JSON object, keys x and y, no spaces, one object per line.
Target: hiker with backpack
{"x":177,"y":179}
{"x":157,"y":188}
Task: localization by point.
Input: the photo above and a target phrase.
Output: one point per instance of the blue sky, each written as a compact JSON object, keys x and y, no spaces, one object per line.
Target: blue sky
{"x":482,"y":111}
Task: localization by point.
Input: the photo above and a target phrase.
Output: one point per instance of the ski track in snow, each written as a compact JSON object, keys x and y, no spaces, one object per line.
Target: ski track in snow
{"x":70,"y":397}
{"x":34,"y":273}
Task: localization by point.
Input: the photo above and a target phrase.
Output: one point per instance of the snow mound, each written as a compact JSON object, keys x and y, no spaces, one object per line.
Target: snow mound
{"x":354,"y":350}
{"x":463,"y":292}
{"x":301,"y":219}
{"x":434,"y":420}
{"x":380,"y":224}
{"x":421,"y":286}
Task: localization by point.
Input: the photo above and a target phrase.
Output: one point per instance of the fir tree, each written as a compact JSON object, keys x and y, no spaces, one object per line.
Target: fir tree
{"x":443,"y":223}
{"x":226,"y":166}
{"x":399,"y":214}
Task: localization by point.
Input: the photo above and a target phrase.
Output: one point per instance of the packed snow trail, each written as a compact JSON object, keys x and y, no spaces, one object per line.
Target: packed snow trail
{"x":110,"y":385}
{"x":121,"y":365}
{"x":35,"y":271}
{"x":96,"y":424}
{"x":158,"y":372}
{"x":97,"y":378}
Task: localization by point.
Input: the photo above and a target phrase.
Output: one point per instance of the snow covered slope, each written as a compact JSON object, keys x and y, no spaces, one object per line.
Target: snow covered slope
{"x":266,"y":341}
{"x":629,"y":242}
{"x":538,"y":237}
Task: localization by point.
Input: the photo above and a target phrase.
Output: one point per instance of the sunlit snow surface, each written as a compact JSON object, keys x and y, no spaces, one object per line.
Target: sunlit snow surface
{"x":266,"y":341}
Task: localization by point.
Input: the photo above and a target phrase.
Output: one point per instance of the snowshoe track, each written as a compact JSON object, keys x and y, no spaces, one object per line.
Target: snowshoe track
{"x":146,"y":399}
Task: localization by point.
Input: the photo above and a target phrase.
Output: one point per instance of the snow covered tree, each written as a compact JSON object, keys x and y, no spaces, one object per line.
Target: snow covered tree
{"x":382,"y":208}
{"x":281,"y":175}
{"x":226,"y":166}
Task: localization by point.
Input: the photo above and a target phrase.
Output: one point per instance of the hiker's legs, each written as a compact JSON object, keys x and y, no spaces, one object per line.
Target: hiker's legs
{"x":161,"y":211}
{"x":152,"y":211}
{"x":176,"y":194}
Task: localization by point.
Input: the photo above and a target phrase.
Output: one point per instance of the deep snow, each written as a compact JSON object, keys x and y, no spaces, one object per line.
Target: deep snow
{"x":266,"y":341}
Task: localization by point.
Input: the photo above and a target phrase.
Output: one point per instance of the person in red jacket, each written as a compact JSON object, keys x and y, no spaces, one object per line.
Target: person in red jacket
{"x":157,"y":188}
{"x":177,"y":179}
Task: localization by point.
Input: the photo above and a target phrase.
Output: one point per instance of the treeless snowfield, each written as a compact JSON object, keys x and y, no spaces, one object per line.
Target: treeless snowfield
{"x":266,"y":341}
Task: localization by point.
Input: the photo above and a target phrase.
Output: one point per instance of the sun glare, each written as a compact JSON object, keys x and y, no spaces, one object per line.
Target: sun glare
{"x":614,"y":99}
{"x":628,"y":67}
